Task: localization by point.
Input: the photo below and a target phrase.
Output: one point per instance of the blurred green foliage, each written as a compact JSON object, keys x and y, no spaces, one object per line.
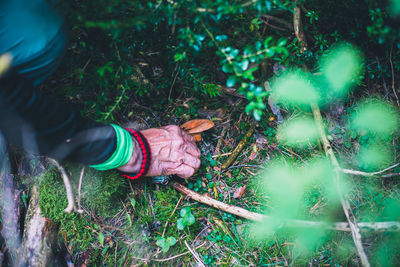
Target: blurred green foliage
{"x":201,"y":47}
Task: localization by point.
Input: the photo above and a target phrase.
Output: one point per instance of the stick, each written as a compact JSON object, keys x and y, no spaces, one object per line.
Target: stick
{"x":221,"y":138}
{"x":355,"y":231}
{"x":166,"y":224}
{"x":68,"y":187}
{"x":79,"y":189}
{"x":170,"y":258}
{"x":392,"y":226}
{"x":298,"y":28}
{"x":369,"y":174}
{"x":238,"y":148}
{"x":195,"y":255}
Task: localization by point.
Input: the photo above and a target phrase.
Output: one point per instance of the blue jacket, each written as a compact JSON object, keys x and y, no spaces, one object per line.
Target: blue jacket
{"x":34,"y":33}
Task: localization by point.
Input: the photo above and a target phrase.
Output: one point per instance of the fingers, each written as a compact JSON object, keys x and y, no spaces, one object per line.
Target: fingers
{"x":190,"y":144}
{"x":191,"y":161}
{"x":184,"y":171}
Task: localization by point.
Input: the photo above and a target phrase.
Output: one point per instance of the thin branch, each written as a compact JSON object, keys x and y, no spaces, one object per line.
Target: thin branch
{"x":195,"y":255}
{"x":238,"y":148}
{"x":391,"y":66}
{"x":355,"y":230}
{"x":166,"y":224}
{"x":298,"y":28}
{"x":79,"y":189}
{"x":371,"y":174}
{"x":281,"y":21}
{"x":169,"y":258}
{"x":392,"y":226}
{"x":68,"y":187}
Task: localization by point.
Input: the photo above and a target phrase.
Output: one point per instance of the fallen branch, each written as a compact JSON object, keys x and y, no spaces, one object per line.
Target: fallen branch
{"x":68,"y":187}
{"x":355,"y":230}
{"x":391,"y":226}
{"x":372,"y":174}
{"x":238,"y":148}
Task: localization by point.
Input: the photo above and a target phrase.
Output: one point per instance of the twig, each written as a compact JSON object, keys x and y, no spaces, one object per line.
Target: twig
{"x":253,"y":216}
{"x":244,"y":166}
{"x":166,"y":224}
{"x":219,"y":143}
{"x":221,"y":155}
{"x":79,"y":189}
{"x":279,"y":20}
{"x":195,"y":255}
{"x":298,"y":28}
{"x":68,"y":187}
{"x":170,"y":258}
{"x":370,"y":174}
{"x":391,"y":66}
{"x":355,"y":230}
{"x":238,"y":148}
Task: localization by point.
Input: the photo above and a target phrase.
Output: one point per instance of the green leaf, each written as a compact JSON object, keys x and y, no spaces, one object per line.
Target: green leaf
{"x":299,"y":132}
{"x":171,"y":241}
{"x":185,"y":211}
{"x":341,"y":68}
{"x":245,"y":64}
{"x":161,"y":241}
{"x":231,"y":81}
{"x":101,"y":238}
{"x":189,"y":219}
{"x":105,"y":250}
{"x":221,"y":38}
{"x":180,"y":224}
{"x":375,"y":116}
{"x":375,"y":157}
{"x":294,"y":88}
{"x":133,"y":202}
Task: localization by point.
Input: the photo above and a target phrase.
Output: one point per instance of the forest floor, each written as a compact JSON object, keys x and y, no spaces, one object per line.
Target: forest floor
{"x":134,"y":228}
{"x":140,"y":223}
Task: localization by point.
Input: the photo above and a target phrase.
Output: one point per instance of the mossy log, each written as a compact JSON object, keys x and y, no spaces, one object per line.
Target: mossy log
{"x":10,"y":212}
{"x":40,"y":235}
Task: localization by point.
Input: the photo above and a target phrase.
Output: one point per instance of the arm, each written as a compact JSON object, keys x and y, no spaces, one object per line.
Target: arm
{"x":31,"y":120}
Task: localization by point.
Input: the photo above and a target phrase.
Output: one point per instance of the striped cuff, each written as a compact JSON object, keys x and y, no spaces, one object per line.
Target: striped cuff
{"x":122,"y":153}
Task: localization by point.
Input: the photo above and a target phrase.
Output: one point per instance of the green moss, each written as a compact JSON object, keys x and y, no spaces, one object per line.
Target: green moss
{"x":53,"y":201}
{"x":101,"y":192}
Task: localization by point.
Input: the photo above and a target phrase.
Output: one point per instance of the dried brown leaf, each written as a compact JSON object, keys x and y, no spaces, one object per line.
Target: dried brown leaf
{"x":239,"y":192}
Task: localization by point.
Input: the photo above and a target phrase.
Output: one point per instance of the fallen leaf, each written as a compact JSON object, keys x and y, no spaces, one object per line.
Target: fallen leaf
{"x":254,"y":152}
{"x":197,"y":126}
{"x":239,"y":192}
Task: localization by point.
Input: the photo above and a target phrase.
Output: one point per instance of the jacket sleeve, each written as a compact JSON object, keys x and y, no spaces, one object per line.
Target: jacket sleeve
{"x":40,"y":124}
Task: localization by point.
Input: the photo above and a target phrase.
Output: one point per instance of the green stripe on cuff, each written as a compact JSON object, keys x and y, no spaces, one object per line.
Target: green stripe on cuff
{"x":122,"y":153}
